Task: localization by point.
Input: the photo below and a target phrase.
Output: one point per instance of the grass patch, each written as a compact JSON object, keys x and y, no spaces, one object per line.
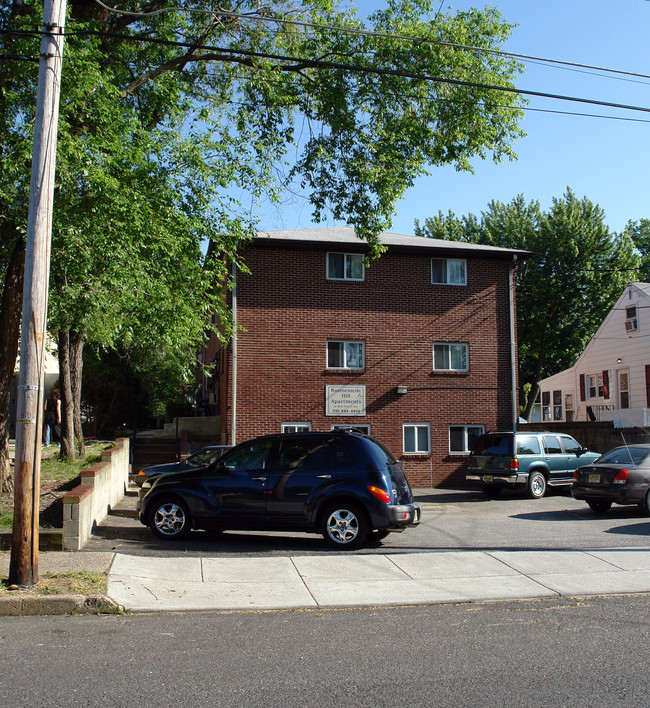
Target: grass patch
{"x":54,"y":469}
{"x":80,"y":582}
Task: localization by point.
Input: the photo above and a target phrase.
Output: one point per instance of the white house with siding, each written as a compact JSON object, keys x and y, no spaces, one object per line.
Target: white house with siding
{"x":610,"y":380}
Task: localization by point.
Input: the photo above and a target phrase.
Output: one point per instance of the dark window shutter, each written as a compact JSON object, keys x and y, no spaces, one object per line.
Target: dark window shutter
{"x":606,"y":384}
{"x":647,"y":384}
{"x":582,"y":387}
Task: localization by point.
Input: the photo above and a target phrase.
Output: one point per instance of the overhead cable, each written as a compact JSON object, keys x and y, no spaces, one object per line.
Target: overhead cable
{"x":322,"y":64}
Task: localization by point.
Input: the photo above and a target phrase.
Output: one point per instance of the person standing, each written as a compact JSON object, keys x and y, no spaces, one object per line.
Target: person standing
{"x":53,"y":418}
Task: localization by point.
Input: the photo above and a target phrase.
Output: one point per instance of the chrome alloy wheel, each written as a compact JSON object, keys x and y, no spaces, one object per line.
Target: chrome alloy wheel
{"x":536,"y":485}
{"x":170,"y":519}
{"x":342,"y":526}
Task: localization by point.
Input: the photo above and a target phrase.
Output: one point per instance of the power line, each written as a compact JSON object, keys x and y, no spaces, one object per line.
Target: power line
{"x":19,"y":57}
{"x":304,"y":63}
{"x":320,"y":63}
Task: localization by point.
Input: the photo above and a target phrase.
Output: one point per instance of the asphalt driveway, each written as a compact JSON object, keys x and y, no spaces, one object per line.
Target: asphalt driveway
{"x":452,"y":520}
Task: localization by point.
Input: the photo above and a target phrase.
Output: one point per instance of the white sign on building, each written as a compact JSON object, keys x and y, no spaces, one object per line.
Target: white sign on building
{"x":345,"y":400}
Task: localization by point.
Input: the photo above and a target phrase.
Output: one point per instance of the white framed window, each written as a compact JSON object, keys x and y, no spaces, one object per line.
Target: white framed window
{"x":417,"y":438}
{"x":623,"y":389}
{"x":546,"y":405}
{"x":450,"y":357}
{"x":568,"y":406}
{"x":595,"y":388}
{"x":557,"y":405}
{"x":343,"y":354}
{"x":296,"y":427}
{"x":463,"y":437}
{"x":448,"y":271}
{"x":631,"y":320}
{"x":365,"y":429}
{"x":345,"y":266}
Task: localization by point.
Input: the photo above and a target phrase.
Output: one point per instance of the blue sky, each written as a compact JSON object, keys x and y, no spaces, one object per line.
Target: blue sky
{"x":605,"y":160}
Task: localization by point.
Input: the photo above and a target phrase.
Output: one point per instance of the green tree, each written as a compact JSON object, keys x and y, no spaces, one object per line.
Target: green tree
{"x":165,"y":115}
{"x":639,"y":232}
{"x":577,"y":270}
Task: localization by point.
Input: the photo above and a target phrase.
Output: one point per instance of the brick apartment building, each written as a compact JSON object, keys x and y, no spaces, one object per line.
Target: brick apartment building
{"x":418,"y":348}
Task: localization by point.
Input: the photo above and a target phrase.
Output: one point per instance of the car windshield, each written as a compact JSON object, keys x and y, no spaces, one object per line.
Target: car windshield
{"x":204,"y":457}
{"x":625,"y":456}
{"x":492,"y":444}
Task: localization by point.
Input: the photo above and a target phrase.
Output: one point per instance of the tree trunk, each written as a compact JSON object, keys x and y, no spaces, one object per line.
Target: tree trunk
{"x":76,"y":369}
{"x":67,"y":401}
{"x":530,"y":402}
{"x":10,"y":317}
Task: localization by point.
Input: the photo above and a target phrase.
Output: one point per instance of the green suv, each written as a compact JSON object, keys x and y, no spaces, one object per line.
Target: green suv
{"x":531,"y":460}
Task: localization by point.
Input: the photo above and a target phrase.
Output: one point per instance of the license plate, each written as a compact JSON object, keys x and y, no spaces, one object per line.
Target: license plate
{"x":594,"y":478}
{"x":416,"y":515}
{"x":487,"y":478}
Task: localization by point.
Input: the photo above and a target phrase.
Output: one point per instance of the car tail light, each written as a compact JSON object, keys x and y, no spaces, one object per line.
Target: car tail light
{"x":380,"y":493}
{"x":514,"y":463}
{"x":575,"y":475}
{"x":621,"y":477}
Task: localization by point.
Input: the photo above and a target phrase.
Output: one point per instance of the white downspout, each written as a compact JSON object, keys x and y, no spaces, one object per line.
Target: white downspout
{"x":513,"y":353}
{"x":233,"y":422}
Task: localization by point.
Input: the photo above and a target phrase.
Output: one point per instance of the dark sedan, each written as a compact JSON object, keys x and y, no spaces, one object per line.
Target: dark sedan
{"x":204,"y":457}
{"x":620,"y":476}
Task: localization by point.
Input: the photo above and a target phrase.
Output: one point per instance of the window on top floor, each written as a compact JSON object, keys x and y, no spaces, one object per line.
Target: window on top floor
{"x":448,"y":271}
{"x":345,"y":266}
{"x":631,"y":320}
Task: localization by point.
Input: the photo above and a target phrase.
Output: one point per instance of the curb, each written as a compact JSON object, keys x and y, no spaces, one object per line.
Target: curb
{"x":28,"y":605}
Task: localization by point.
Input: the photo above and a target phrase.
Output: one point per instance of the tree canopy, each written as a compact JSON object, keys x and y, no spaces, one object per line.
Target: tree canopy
{"x":578,"y":270}
{"x":639,"y":232}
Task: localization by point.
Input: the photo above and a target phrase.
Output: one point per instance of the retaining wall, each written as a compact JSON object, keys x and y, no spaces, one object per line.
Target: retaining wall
{"x":102,"y":486}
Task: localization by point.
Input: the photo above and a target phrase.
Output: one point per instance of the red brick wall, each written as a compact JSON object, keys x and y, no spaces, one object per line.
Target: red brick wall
{"x":289,"y":309}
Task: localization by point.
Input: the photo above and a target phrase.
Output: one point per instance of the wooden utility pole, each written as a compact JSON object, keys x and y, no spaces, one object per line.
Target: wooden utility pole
{"x":23,"y":569}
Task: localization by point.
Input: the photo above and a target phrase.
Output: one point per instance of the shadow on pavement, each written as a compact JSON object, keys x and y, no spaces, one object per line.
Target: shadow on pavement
{"x":621,"y":512}
{"x":458,"y":496}
{"x":635,"y":530}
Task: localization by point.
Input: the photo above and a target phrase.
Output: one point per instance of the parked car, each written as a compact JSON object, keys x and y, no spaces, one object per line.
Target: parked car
{"x":529,"y":460}
{"x":620,"y":476}
{"x":342,"y":485}
{"x":204,"y":457}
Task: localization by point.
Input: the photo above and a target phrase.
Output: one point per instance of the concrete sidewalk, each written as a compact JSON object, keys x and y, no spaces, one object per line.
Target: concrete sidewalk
{"x":145,"y":584}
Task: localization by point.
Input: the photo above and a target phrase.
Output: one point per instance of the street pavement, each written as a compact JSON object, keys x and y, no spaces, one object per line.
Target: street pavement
{"x":203,"y":581}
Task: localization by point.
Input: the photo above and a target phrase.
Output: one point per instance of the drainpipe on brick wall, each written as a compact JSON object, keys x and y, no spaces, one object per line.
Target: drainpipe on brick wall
{"x":513,"y":352}
{"x":233,"y":422}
